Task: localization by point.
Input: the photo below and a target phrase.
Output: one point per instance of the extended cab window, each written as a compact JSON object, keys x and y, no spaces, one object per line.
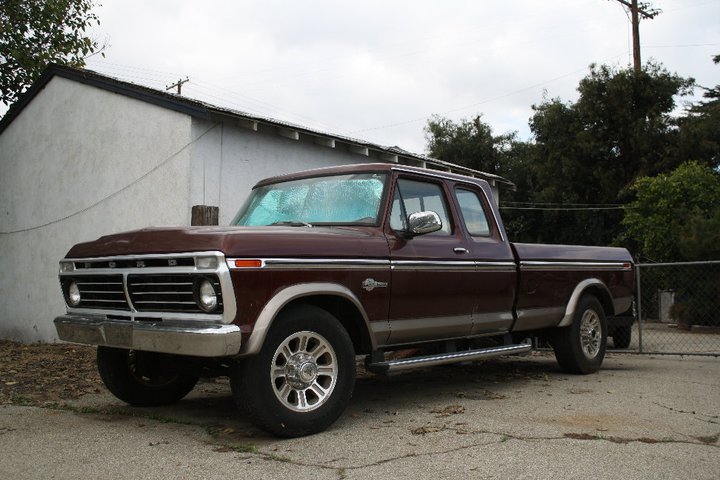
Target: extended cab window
{"x":473,"y":213}
{"x":412,"y":196}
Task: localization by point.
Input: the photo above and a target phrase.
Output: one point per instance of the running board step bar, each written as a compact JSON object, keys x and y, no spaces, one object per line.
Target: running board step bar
{"x":392,"y":366}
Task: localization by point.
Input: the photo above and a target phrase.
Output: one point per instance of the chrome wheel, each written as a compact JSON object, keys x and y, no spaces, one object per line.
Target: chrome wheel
{"x":304,"y":371}
{"x":303,"y":377}
{"x":590,"y":333}
{"x":580,"y":347}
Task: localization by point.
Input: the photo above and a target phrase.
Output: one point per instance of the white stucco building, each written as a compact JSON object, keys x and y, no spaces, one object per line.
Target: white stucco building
{"x":82,"y":155}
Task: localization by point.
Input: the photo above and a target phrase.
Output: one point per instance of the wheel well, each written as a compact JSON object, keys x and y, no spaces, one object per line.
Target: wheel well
{"x":346,"y":313}
{"x":603,"y":297}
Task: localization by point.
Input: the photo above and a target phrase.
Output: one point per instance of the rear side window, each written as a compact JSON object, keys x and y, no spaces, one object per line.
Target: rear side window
{"x":473,"y":213}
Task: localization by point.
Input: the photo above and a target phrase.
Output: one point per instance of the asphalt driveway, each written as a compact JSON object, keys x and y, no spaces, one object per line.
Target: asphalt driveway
{"x":515,"y":417}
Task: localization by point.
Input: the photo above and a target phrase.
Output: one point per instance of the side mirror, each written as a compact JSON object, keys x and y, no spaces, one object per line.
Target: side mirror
{"x":420,"y":223}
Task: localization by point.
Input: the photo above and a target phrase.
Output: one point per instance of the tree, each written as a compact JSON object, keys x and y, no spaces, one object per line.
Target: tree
{"x":590,"y":152}
{"x":629,"y":115}
{"x":699,"y":130}
{"x":575,"y":176}
{"x":470,"y":143}
{"x":676,"y":216}
{"x":34,"y":33}
{"x":565,"y":158}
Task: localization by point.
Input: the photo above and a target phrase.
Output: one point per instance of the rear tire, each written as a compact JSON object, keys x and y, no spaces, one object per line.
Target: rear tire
{"x":303,"y":377}
{"x":142,"y":379}
{"x":622,"y":336}
{"x":580,"y":348}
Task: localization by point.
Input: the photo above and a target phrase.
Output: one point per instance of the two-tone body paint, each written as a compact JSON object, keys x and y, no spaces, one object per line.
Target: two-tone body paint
{"x":550,"y":276}
{"x":447,"y":286}
{"x":404,"y":289}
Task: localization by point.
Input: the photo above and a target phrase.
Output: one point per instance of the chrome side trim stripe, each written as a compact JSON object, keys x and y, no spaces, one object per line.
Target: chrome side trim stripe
{"x":309,"y":261}
{"x":433,"y":265}
{"x":320,"y":263}
{"x":496,"y":266}
{"x":454,"y":265}
{"x":548,"y":266}
{"x":360,"y":263}
{"x":365,"y":264}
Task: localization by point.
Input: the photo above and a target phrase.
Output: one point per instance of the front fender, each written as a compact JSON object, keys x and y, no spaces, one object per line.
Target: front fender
{"x":289,"y":294}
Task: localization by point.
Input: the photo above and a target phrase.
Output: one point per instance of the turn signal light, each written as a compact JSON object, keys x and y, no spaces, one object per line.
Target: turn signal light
{"x":243,"y":263}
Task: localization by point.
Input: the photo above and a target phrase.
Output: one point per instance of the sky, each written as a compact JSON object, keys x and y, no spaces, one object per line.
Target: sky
{"x":378,"y":70}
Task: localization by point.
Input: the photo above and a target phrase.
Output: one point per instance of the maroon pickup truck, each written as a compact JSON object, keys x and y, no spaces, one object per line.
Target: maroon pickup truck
{"x":320,"y":267}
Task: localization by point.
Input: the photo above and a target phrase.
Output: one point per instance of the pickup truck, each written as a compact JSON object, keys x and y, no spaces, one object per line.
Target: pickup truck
{"x":324,"y":266}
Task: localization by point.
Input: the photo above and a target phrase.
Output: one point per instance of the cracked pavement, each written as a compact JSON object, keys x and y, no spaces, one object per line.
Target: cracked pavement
{"x":514,"y":417}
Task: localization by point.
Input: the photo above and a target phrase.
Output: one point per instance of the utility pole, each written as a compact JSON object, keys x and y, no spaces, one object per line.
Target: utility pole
{"x":178,"y":84}
{"x":637,"y":10}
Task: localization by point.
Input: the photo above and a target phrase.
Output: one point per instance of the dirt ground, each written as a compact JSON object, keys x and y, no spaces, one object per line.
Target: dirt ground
{"x":640,"y":417}
{"x":37,"y":374}
{"x":40,"y":374}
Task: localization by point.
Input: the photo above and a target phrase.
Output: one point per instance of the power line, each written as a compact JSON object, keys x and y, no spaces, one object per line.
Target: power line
{"x":482,"y":102}
{"x":561,"y":204}
{"x":566,"y":209}
{"x":178,"y":84}
{"x":689,"y":45}
{"x":203,"y":91}
{"x":117,"y":192}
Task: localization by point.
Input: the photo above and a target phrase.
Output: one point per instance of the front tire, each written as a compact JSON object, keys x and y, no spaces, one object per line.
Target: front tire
{"x":142,"y":379}
{"x":580,"y":348}
{"x":303,"y":377}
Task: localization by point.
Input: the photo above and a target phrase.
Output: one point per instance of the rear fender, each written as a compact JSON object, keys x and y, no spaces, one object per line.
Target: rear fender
{"x":590,"y":285}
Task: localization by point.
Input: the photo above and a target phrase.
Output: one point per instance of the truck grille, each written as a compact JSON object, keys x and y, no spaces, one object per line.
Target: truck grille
{"x":167,"y":293}
{"x":175,"y":293}
{"x":101,"y":291}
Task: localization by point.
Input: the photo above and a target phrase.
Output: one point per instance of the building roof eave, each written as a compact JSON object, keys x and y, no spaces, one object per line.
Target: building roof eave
{"x":202,"y":110}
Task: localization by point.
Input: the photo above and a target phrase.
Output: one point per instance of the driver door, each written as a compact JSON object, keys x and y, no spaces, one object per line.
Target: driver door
{"x":432,"y":287}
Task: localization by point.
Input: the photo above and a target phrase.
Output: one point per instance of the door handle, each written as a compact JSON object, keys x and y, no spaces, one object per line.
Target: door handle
{"x":460,"y":250}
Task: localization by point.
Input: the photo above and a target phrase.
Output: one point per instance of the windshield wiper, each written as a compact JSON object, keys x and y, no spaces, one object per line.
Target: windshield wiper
{"x":291,"y":223}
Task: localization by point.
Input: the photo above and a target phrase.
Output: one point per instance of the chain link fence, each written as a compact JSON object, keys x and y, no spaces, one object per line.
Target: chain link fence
{"x":677,"y":310}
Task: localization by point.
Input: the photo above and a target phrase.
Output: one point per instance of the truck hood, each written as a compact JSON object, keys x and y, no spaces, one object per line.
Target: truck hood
{"x":271,"y":242}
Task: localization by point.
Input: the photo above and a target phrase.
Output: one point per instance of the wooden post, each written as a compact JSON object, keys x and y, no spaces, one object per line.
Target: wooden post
{"x":637,"y":64}
{"x":636,"y":11}
{"x":205,"y":215}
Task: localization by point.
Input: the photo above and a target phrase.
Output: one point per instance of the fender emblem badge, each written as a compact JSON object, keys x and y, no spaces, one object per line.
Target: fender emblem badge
{"x":371,"y":284}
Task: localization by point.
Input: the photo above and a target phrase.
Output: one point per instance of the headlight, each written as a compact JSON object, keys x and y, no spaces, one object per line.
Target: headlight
{"x":73,"y":294}
{"x":206,"y":296}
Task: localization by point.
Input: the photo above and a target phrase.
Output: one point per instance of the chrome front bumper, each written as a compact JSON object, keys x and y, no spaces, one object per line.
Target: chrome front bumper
{"x":176,"y":337}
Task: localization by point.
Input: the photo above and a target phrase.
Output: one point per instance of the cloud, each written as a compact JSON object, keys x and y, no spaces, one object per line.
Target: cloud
{"x":378,"y":69}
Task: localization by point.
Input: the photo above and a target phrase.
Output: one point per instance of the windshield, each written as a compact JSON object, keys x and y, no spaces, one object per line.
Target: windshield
{"x":338,"y":199}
